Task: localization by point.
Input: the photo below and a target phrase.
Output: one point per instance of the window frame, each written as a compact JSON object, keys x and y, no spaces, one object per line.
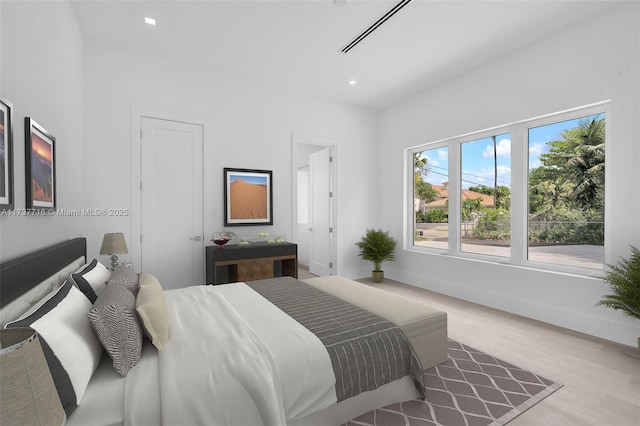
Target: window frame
{"x":519,"y":191}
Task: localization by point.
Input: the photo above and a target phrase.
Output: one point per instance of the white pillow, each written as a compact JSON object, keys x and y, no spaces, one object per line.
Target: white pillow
{"x":70,"y":346}
{"x":91,"y":279}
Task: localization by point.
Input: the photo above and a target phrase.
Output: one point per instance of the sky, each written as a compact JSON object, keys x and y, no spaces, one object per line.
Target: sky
{"x":249,"y":178}
{"x":478,"y":159}
{"x":477,"y":162}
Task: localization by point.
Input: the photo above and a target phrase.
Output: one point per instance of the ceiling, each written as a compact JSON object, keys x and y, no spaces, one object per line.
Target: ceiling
{"x":295,"y":45}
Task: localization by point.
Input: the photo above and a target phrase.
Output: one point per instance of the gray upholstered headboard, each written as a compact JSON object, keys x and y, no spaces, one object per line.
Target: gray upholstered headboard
{"x":26,"y":279}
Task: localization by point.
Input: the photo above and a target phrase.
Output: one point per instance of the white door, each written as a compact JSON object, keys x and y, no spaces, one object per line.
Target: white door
{"x":172,"y":244}
{"x":321,"y":212}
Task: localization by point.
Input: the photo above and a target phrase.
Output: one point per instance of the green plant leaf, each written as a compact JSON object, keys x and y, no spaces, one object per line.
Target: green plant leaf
{"x":377,"y":246}
{"x":624,"y":282}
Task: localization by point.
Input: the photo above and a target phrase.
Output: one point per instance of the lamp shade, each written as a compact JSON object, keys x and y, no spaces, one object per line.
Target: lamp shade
{"x":113,"y":243}
{"x":28,"y":395}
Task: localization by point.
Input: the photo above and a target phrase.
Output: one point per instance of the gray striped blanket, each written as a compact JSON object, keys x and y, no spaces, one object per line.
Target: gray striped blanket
{"x":366,"y":350}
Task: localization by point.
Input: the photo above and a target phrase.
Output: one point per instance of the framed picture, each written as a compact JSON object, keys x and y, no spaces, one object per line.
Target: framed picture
{"x":40,"y":165}
{"x":248,"y":197}
{"x":6,"y":154}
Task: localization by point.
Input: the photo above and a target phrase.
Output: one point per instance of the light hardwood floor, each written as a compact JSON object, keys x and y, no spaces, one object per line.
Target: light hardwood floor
{"x":601,"y":382}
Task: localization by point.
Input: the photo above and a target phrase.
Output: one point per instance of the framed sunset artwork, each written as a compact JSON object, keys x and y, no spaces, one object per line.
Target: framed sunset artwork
{"x":6,"y":154}
{"x":40,"y":166}
{"x":248,"y":197}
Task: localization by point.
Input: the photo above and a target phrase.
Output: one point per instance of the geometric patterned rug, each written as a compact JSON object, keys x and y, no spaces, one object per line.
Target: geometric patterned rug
{"x":470,"y":389}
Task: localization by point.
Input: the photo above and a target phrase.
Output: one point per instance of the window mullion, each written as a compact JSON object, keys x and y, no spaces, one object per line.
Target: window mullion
{"x":519,"y":194}
{"x":455,"y":187}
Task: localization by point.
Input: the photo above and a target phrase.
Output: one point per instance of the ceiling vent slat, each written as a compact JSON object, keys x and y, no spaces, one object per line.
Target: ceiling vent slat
{"x":364,"y":34}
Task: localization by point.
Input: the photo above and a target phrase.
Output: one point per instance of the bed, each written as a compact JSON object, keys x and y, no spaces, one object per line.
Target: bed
{"x":235,"y":358}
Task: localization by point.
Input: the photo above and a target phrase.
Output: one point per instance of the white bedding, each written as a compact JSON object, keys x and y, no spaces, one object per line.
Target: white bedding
{"x":234,"y":358}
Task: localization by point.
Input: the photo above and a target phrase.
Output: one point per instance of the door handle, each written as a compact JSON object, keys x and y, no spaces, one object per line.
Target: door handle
{"x":196,"y":238}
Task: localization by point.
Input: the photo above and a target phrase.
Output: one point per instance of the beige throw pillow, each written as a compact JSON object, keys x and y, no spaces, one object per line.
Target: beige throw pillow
{"x":152,"y":310}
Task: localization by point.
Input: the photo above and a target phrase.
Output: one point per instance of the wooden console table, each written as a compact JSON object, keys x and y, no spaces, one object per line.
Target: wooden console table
{"x":250,"y":262}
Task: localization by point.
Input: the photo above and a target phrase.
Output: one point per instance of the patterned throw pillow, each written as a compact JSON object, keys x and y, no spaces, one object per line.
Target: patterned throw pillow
{"x":114,"y":320}
{"x":126,"y":277}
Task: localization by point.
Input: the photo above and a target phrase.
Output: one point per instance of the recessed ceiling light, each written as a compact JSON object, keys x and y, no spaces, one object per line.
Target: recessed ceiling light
{"x":352,"y":82}
{"x":148,"y":20}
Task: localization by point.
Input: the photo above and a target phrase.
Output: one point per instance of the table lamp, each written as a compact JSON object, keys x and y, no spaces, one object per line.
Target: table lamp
{"x":28,"y":395}
{"x":113,"y":244}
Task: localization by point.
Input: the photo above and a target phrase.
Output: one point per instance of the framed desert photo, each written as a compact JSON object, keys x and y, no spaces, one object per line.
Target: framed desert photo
{"x":40,"y":165}
{"x":6,"y":154}
{"x":248,"y":197}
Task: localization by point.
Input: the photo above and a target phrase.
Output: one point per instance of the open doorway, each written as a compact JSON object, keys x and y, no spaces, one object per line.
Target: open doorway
{"x":314,"y":202}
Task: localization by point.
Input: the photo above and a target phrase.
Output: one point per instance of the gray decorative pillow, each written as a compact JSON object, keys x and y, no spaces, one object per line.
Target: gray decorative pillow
{"x":126,"y":277}
{"x":115,"y":322}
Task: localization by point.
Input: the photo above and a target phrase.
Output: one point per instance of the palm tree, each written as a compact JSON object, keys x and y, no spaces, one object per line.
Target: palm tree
{"x":555,"y":191}
{"x":589,"y":163}
{"x":502,"y":197}
{"x":581,"y":153}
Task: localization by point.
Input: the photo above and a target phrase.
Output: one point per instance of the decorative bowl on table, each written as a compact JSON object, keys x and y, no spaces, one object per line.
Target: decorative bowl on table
{"x":220,"y":241}
{"x":222,"y":237}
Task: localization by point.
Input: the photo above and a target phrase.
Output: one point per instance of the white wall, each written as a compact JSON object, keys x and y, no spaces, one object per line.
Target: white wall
{"x":246,"y":126}
{"x":42,"y":74}
{"x":573,"y":68}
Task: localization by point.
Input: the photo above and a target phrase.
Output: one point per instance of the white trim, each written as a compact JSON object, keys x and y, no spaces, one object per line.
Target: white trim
{"x":454,"y":155}
{"x":520,"y":197}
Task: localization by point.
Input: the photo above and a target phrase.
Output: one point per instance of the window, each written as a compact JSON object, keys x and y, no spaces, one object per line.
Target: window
{"x":430,"y":195}
{"x":485,"y":198}
{"x":528,"y":193}
{"x":566,"y":192}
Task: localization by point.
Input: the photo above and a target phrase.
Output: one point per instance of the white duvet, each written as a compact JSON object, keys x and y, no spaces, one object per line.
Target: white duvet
{"x":233,"y":358}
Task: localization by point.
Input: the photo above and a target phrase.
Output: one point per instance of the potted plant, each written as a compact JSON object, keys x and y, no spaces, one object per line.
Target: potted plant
{"x":377,"y":246}
{"x":624,"y":282}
